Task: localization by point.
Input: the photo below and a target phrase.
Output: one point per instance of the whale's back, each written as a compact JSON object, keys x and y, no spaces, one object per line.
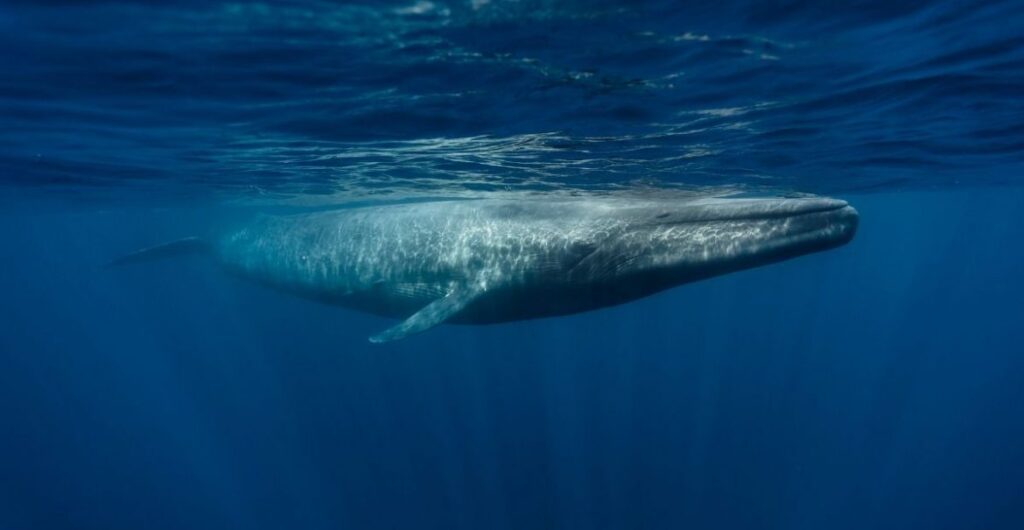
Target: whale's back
{"x":410,"y":246}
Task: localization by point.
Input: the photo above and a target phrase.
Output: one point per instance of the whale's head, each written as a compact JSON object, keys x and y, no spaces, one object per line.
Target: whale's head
{"x":668,"y":244}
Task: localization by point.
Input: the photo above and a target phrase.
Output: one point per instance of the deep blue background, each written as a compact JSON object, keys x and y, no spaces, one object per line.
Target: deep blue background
{"x":879,"y":385}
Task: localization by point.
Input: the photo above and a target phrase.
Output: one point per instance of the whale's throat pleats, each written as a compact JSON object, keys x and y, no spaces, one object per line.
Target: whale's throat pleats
{"x":434,"y":313}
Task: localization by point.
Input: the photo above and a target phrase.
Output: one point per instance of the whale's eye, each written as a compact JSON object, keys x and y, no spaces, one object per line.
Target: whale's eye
{"x":662,"y":215}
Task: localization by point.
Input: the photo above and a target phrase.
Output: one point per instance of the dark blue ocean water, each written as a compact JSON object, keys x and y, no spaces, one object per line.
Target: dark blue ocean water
{"x":879,"y":385}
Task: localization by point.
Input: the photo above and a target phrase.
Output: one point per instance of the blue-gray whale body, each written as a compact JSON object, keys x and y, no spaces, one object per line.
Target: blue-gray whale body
{"x":489,"y":260}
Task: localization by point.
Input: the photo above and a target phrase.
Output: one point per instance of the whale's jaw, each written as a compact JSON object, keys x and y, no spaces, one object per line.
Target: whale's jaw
{"x":788,"y":230}
{"x":708,"y":238}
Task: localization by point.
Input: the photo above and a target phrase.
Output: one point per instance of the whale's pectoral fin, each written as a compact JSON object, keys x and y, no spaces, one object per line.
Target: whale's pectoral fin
{"x":433,"y":314}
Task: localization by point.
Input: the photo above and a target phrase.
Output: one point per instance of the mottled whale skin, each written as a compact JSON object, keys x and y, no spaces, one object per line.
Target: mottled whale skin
{"x":488,"y":261}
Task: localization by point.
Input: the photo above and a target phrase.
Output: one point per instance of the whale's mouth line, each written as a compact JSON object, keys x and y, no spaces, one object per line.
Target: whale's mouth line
{"x":791,"y":213}
{"x":782,"y":214}
{"x":826,"y":226}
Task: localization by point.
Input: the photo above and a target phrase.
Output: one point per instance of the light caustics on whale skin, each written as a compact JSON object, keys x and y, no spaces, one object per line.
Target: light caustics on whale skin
{"x":488,"y":261}
{"x":508,"y":242}
{"x":511,"y":240}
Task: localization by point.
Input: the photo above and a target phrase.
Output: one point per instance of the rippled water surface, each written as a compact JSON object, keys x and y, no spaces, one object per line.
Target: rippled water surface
{"x":296,"y":99}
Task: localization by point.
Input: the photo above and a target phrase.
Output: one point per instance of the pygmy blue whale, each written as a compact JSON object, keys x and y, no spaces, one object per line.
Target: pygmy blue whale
{"x":489,"y":260}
